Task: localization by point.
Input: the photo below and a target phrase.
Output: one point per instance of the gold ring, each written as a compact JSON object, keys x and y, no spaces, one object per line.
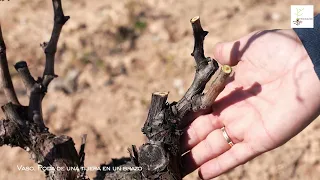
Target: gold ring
{"x":225,"y":135}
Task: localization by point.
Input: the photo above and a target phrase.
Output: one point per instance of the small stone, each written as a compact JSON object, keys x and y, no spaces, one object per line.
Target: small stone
{"x":27,"y":149}
{"x":71,"y":81}
{"x":178,"y":84}
{"x":52,"y":108}
{"x":118,"y":148}
{"x":109,"y":82}
{"x":273,"y":16}
{"x":276,"y":16}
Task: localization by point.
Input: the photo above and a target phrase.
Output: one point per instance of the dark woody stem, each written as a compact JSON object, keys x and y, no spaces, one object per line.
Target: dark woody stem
{"x":5,"y":78}
{"x":50,"y":48}
{"x":160,"y":157}
{"x":205,"y":68}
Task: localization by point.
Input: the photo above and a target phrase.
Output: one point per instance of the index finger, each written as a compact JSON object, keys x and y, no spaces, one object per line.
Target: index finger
{"x":239,"y":154}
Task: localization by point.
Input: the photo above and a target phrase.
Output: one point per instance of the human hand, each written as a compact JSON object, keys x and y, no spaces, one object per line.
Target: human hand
{"x":275,"y":94}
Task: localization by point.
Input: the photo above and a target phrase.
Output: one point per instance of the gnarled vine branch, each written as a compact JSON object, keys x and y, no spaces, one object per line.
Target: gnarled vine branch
{"x":24,"y":126}
{"x":160,"y":156}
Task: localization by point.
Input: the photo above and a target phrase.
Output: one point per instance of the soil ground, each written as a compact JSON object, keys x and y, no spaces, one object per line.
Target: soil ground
{"x":113,"y":54}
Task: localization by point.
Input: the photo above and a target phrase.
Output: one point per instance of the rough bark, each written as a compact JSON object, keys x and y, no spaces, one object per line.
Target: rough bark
{"x":158,"y":158}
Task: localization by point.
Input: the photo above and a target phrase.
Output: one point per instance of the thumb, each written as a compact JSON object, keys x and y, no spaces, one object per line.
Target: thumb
{"x":227,"y":53}
{"x":230,"y":53}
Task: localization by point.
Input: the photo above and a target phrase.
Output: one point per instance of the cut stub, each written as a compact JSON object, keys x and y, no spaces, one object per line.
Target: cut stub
{"x":216,"y":87}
